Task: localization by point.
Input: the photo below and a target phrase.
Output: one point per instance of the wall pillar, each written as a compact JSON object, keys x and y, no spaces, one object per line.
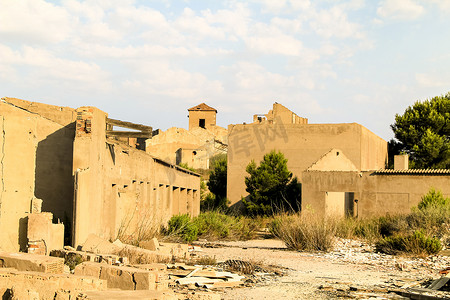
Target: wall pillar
{"x":88,"y":149}
{"x":190,"y":202}
{"x":195,"y":203}
{"x":176,"y":201}
{"x":183,"y":201}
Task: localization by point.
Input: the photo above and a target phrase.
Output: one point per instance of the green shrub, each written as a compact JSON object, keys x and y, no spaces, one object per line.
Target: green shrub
{"x":391,"y":225}
{"x":435,"y":199}
{"x":417,"y":243}
{"x":182,"y":226}
{"x":213,"y":225}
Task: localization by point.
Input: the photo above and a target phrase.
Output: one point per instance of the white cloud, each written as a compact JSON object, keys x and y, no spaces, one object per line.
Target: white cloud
{"x":161,"y":78}
{"x":43,"y":67}
{"x":275,"y":44}
{"x":433,"y":79}
{"x":273,"y":6}
{"x":400,"y":9}
{"x":34,"y":22}
{"x":334,"y":23}
{"x":443,"y":5}
{"x":198,"y":27}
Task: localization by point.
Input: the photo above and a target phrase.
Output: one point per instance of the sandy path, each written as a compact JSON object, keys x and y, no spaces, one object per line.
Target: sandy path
{"x":347,"y":266}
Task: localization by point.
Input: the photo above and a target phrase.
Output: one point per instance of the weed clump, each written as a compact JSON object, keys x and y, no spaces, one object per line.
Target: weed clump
{"x":213,"y":225}
{"x":434,"y":199}
{"x":305,"y":232}
{"x":182,"y":226}
{"x":417,"y":243}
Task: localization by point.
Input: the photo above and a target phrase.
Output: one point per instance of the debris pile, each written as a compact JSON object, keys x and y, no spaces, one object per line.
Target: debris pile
{"x":362,"y":253}
{"x":410,"y":277}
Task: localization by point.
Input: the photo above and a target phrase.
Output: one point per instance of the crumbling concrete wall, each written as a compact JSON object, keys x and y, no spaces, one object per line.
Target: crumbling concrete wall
{"x":302,"y":145}
{"x":206,"y":142}
{"x":36,"y":161}
{"x":121,"y":190}
{"x":373,"y":194}
{"x":194,"y":158}
{"x":279,"y":113}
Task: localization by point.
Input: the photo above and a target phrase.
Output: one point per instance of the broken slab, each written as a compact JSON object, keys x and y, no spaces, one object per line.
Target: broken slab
{"x":152,"y":267}
{"x":138,"y":255}
{"x":152,"y":244}
{"x":121,"y":295}
{"x":32,"y":262}
{"x":24,"y":284}
{"x":199,"y":281}
{"x":44,"y":236}
{"x":96,"y":244}
{"x":124,"y":278}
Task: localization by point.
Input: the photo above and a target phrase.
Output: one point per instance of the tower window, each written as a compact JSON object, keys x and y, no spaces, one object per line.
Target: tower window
{"x":201,"y":123}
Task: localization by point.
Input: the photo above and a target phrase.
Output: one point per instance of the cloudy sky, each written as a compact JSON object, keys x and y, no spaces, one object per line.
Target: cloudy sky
{"x":148,"y":61}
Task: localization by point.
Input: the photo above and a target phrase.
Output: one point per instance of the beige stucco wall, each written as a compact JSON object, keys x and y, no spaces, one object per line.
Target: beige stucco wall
{"x":376,"y":194}
{"x":194,"y":158}
{"x":119,"y":188}
{"x":302,"y":145}
{"x":60,"y":114}
{"x":36,"y":161}
{"x":166,"y":144}
{"x":195,"y":116}
{"x":286,"y":116}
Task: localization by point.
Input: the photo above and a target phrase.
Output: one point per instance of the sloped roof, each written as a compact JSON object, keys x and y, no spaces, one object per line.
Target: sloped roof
{"x":203,"y":107}
{"x":333,"y":160}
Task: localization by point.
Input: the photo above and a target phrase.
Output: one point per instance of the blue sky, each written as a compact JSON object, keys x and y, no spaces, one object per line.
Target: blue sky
{"x":149,"y":61}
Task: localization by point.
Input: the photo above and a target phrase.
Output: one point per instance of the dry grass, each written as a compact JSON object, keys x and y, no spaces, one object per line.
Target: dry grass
{"x":134,"y":229}
{"x":306,"y":231}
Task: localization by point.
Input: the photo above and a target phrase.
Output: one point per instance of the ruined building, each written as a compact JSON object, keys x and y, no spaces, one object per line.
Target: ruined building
{"x":341,"y":166}
{"x":86,"y":176}
{"x":195,"y":146}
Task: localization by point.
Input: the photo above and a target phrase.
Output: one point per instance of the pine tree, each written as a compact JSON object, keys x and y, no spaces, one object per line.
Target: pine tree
{"x":423,"y":132}
{"x":271,"y":186}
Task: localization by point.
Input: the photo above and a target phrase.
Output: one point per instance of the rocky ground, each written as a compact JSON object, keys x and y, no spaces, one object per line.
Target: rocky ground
{"x":351,"y":270}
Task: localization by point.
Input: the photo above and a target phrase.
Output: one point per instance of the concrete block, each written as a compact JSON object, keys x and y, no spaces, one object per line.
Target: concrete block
{"x":32,"y":262}
{"x":138,"y":255}
{"x":43,"y":236}
{"x":96,"y":244}
{"x":152,"y":267}
{"x":26,"y":285}
{"x":124,"y":278}
{"x":23,"y":294}
{"x":150,"y":245}
{"x":57,"y":241}
{"x":121,"y":295}
{"x":36,"y":205}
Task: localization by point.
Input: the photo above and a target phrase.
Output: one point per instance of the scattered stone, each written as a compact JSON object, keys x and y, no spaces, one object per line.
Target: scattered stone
{"x":150,"y":245}
{"x":124,"y":278}
{"x":32,"y":262}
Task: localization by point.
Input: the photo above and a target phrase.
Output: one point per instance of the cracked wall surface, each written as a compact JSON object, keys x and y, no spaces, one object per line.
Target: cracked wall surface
{"x":30,"y":169}
{"x":120,"y":190}
{"x":108,"y":186}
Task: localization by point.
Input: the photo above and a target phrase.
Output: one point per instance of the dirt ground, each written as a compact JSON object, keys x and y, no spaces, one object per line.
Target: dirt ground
{"x":352,"y":264}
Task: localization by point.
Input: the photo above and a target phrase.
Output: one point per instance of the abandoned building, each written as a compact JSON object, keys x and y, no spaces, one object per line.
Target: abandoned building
{"x":69,"y":165}
{"x":195,"y":146}
{"x":341,"y":166}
